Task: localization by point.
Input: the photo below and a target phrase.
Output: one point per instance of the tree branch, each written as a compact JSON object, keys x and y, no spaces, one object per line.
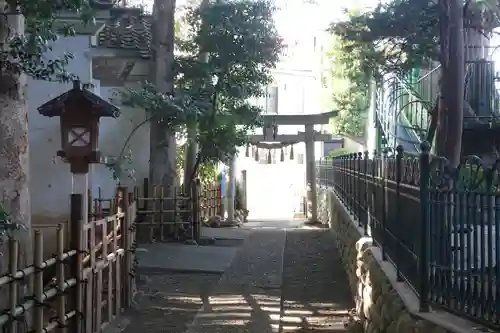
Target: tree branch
{"x":120,"y":156}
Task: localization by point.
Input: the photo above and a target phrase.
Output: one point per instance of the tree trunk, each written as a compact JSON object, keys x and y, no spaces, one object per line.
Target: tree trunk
{"x":14,"y":154}
{"x":191,"y":156}
{"x":192,"y":147}
{"x":450,"y":117}
{"x":162,"y":160}
{"x":440,"y":120}
{"x":451,"y":104}
{"x":455,"y":82}
{"x":162,"y":169}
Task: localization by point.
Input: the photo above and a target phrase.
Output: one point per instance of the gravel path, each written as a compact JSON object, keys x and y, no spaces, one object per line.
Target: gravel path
{"x":247,"y":298}
{"x":316,"y":294}
{"x":167,"y":303}
{"x":280,"y":281}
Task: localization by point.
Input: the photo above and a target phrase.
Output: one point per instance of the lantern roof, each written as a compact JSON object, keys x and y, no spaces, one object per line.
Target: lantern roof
{"x":55,"y":107}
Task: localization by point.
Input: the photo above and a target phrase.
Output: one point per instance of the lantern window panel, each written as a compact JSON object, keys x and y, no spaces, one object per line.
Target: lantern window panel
{"x":79,"y":137}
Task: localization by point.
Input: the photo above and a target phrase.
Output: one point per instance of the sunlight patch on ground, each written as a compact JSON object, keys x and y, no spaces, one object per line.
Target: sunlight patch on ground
{"x":233,"y":299}
{"x":228,"y":314}
{"x":185,"y":299}
{"x":313,"y":317}
{"x":250,"y":311}
{"x":332,"y":312}
{"x":322,"y":305}
{"x":173,"y":308}
{"x":180,"y":303}
{"x":258,"y":310}
{"x":265,"y":298}
{"x":271,"y":309}
{"x":228,"y":322}
{"x":297,"y":312}
{"x":230,"y":308}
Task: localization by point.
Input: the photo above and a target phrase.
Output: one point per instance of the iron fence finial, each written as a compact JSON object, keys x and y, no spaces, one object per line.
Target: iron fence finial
{"x":425,"y":146}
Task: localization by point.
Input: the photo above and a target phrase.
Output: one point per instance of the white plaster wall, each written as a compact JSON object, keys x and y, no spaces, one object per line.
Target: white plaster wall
{"x":50,"y":179}
{"x":113,"y":134}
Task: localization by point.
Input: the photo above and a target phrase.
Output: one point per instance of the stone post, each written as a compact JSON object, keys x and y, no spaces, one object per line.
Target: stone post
{"x":312,"y":198}
{"x":80,"y":186}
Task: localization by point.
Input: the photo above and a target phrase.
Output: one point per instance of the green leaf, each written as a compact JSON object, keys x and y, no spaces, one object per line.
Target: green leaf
{"x":242,"y":45}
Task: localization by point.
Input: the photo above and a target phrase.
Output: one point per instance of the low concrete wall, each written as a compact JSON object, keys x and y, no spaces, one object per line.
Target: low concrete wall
{"x":382,"y":304}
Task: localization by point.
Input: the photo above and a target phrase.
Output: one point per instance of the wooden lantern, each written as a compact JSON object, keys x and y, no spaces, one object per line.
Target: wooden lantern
{"x":79,"y":111}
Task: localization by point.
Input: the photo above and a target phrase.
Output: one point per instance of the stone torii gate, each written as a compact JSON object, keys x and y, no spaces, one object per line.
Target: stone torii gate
{"x":309,"y":136}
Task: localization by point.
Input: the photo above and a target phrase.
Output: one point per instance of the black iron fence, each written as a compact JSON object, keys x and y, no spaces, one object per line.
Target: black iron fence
{"x":437,"y":224}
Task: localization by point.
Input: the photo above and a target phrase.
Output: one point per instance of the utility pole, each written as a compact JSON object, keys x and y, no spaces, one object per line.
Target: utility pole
{"x":162,"y":169}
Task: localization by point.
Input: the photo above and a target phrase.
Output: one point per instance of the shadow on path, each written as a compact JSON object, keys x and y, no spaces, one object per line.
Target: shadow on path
{"x":281,"y":280}
{"x":167,"y":303}
{"x":249,"y":291}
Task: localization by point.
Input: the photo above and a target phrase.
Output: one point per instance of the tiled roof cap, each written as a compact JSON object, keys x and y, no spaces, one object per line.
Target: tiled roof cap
{"x":127,"y":29}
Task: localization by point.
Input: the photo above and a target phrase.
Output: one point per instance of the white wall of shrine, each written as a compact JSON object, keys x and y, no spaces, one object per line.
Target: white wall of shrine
{"x":50,"y":178}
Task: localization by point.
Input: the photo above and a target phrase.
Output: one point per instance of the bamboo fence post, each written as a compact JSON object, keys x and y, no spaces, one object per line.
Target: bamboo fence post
{"x":38,"y":260}
{"x":126,"y":244}
{"x":13,"y":267}
{"x":61,"y":309}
